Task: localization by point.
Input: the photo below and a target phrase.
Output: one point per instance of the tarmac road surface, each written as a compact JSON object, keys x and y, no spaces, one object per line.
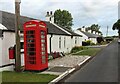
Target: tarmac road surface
{"x":102,"y":68}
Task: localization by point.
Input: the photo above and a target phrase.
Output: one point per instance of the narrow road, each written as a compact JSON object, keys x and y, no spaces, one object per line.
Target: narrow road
{"x":102,"y":68}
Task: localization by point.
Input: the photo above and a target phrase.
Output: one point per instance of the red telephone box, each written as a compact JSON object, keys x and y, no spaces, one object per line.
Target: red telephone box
{"x":35,"y":45}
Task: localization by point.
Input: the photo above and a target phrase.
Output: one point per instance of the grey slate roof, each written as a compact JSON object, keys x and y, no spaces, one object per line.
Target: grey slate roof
{"x":8,"y":20}
{"x":73,"y":33}
{"x":90,"y":35}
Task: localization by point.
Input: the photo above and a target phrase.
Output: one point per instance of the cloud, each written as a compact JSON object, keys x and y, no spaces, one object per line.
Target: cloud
{"x":84,"y":12}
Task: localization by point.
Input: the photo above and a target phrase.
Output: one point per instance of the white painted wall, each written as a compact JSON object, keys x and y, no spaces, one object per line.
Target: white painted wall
{"x":94,"y":40}
{"x":8,"y":41}
{"x":0,"y":51}
{"x":55,"y":43}
{"x":84,"y":37}
{"x":48,"y":43}
{"x":94,"y":32}
{"x":69,"y":43}
{"x":79,"y":41}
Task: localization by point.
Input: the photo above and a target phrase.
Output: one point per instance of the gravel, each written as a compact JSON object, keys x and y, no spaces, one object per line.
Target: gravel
{"x":67,"y":61}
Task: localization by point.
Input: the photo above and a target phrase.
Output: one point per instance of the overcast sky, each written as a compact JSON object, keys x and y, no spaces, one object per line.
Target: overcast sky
{"x":84,"y":12}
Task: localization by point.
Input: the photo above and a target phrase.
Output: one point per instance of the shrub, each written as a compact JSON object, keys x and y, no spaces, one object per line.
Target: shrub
{"x":84,"y":43}
{"x":92,"y":43}
{"x":100,"y":39}
{"x":103,"y":42}
{"x":77,"y":48}
{"x":83,"y":48}
{"x":88,"y":42}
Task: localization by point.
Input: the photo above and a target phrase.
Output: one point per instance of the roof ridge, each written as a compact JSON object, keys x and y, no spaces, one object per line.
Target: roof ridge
{"x":61,"y":28}
{"x":20,"y":15}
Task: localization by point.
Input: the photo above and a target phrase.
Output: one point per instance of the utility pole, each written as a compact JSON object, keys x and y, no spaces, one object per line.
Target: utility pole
{"x":17,"y":35}
{"x":107,"y":31}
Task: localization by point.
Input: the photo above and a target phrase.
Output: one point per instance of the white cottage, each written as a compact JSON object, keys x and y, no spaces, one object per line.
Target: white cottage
{"x":88,"y":35}
{"x":58,"y":39}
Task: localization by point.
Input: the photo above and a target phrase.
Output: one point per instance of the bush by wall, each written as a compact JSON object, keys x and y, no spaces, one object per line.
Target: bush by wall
{"x":77,"y":48}
{"x":87,"y":43}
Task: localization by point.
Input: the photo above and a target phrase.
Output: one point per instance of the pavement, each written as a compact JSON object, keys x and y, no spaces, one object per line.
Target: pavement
{"x":98,"y":46}
{"x":60,"y":65}
{"x":103,"y":67}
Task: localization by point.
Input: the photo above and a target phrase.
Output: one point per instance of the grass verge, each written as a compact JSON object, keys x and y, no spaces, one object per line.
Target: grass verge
{"x":89,"y":51}
{"x":26,"y":77}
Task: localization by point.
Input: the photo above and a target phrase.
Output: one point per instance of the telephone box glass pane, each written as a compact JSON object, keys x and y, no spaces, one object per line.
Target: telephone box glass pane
{"x":30,"y":36}
{"x":43,"y":59}
{"x":30,"y":40}
{"x":42,"y":36}
{"x":30,"y":49}
{"x":42,"y":32}
{"x":32,"y":58}
{"x":43,"y":41}
{"x":32,"y":62}
{"x":43,"y":53}
{"x":30,"y":53}
{"x":43,"y":45}
{"x":30,"y":45}
{"x":43,"y":49}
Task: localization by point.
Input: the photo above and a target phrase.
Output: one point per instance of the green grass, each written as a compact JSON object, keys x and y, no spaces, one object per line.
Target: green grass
{"x":26,"y":77}
{"x":89,"y":51}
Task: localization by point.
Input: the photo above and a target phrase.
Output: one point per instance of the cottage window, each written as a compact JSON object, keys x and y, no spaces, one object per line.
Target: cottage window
{"x":64,"y":42}
{"x":50,"y":18}
{"x":22,"y":45}
{"x":75,"y":40}
{"x":60,"y":42}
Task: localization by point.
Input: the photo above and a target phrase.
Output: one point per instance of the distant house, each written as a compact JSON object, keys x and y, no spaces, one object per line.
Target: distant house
{"x":58,"y":39}
{"x":88,"y":35}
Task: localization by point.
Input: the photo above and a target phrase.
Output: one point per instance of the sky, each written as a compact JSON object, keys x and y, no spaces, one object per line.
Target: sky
{"x":84,"y":12}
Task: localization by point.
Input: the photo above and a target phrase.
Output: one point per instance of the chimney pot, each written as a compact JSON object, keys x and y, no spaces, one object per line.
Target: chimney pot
{"x":50,"y":12}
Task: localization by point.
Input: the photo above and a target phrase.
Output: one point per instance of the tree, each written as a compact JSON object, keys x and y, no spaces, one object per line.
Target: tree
{"x":63,"y":18}
{"x":116,"y":26}
{"x":95,"y":27}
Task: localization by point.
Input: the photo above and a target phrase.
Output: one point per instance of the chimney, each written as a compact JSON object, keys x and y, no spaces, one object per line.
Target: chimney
{"x":89,"y":31}
{"x":47,"y":14}
{"x":83,"y":29}
{"x":50,"y":17}
{"x":50,"y":12}
{"x":94,"y":32}
{"x":97,"y":33}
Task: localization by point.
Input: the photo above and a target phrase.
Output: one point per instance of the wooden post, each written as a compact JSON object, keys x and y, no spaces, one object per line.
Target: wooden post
{"x":17,"y":34}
